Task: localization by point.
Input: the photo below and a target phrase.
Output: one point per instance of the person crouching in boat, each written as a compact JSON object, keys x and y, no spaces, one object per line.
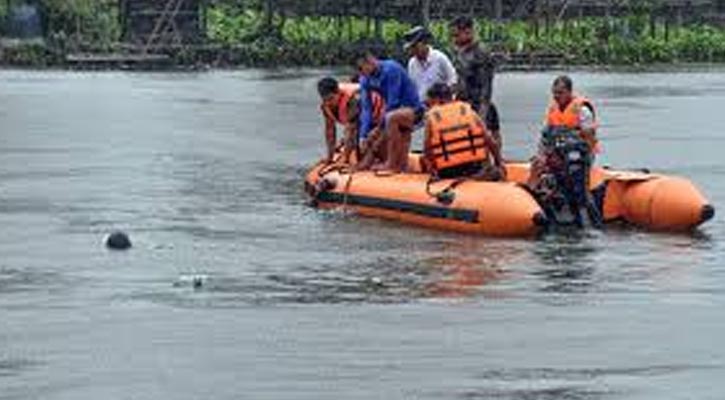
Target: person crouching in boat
{"x":341,"y":105}
{"x":457,"y":143}
{"x":567,"y":111}
{"x":403,"y":110}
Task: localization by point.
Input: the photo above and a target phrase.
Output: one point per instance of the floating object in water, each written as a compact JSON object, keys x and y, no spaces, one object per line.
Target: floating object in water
{"x":118,"y":241}
{"x":196,"y":281}
{"x":651,"y":201}
{"x":375,"y":281}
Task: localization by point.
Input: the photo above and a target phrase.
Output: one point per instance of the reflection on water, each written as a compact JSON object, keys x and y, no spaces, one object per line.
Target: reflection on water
{"x":384,"y":280}
{"x":460,"y":277}
{"x":569,"y":383}
{"x":14,"y":366}
{"x":642,"y":91}
{"x":15,"y":281}
{"x":568,"y":261}
{"x":567,"y":392}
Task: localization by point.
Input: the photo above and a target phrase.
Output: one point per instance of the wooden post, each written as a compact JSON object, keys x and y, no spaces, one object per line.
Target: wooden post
{"x":350,"y":30}
{"x":667,"y":26}
{"x":339,"y":26}
{"x":581,"y":15}
{"x":204,"y":15}
{"x":378,"y":27}
{"x":268,"y":16}
{"x":537,"y":16}
{"x":425,"y":12}
{"x":367,"y":26}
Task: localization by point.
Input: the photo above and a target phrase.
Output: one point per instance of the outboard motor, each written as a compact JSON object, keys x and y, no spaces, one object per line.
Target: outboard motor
{"x":564,"y":185}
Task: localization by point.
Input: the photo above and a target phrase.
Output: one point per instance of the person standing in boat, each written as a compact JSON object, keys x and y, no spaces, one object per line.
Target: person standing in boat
{"x":456,"y":141}
{"x":341,"y":105}
{"x":475,"y":67}
{"x":403,"y":110}
{"x":427,"y":66}
{"x":569,"y":111}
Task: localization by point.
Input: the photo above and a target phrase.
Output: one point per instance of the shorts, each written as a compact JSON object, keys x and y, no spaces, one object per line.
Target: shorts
{"x":418,"y":122}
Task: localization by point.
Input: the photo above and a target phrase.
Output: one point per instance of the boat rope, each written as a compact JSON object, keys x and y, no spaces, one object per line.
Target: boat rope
{"x":445,"y":196}
{"x":346,"y":191}
{"x":335,"y":165}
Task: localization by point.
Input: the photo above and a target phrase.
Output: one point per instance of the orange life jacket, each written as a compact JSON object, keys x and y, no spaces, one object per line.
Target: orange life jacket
{"x":347,"y":92}
{"x":456,"y":136}
{"x":569,"y":117}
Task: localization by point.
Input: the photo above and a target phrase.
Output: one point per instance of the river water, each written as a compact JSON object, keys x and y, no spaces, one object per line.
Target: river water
{"x":204,"y":171}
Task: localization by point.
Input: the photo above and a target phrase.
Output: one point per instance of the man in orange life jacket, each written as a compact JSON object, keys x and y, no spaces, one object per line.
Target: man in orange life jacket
{"x":456,"y":141}
{"x":341,"y":105}
{"x":568,"y":111}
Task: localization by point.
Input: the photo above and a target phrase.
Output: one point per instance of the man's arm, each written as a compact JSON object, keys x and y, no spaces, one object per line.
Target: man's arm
{"x":493,"y":148}
{"x":449,"y":71}
{"x":587,"y":124}
{"x":427,"y":162}
{"x":393,"y":89}
{"x":485,"y":67}
{"x":330,"y":133}
{"x":491,"y":145}
{"x":366,"y":109}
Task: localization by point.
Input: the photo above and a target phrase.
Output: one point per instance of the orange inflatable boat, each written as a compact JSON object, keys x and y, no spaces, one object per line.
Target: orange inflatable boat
{"x":650,"y":201}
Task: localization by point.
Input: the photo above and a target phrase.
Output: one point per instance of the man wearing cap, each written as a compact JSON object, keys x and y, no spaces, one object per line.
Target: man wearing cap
{"x":427,"y":66}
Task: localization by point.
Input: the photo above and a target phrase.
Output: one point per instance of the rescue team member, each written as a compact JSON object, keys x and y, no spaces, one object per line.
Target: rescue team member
{"x":569,"y":111}
{"x":475,"y":67}
{"x":341,"y":105}
{"x":403,"y":109}
{"x":456,"y":141}
{"x":427,"y":66}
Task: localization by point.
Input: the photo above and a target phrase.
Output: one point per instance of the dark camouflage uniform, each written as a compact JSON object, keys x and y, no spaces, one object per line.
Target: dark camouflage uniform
{"x":475,"y":67}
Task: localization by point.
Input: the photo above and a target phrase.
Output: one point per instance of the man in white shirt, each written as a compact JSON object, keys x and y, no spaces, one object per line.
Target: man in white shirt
{"x":427,"y":66}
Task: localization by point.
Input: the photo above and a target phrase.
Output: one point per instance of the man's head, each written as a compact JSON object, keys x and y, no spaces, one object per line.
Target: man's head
{"x":439,"y":93}
{"x":561,"y":90}
{"x":462,"y":30}
{"x":417,"y":41}
{"x":366,"y":63}
{"x":329,"y":91}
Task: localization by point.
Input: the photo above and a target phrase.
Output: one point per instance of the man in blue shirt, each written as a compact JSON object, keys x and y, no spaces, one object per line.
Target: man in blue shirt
{"x":403,"y":108}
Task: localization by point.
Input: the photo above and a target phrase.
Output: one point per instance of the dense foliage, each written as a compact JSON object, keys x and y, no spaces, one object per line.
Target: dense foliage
{"x":241,"y":36}
{"x":625,"y":40}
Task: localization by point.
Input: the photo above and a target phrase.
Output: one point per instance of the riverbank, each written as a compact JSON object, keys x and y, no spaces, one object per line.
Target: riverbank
{"x":239,"y":41}
{"x":39,"y":56}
